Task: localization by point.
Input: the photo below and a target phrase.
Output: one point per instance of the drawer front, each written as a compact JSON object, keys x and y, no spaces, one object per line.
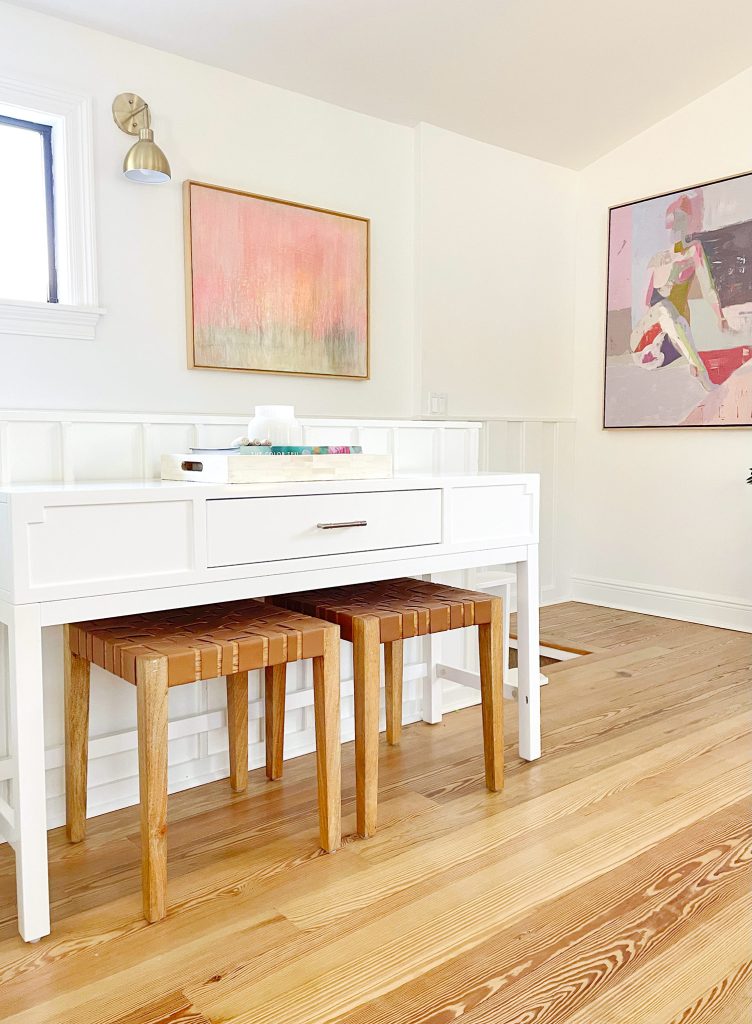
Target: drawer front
{"x":242,"y":530}
{"x":494,"y":514}
{"x":85,"y":544}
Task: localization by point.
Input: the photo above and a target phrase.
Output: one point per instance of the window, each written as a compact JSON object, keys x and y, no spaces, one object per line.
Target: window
{"x":28,"y":263}
{"x":48,"y":279}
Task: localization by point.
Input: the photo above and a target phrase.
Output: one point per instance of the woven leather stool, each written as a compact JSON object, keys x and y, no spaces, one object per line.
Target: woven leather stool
{"x":164,"y":649}
{"x":387,"y":613}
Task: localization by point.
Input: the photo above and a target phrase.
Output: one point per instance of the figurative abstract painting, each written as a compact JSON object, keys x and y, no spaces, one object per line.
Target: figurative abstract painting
{"x":679,"y":312}
{"x":273,"y":286}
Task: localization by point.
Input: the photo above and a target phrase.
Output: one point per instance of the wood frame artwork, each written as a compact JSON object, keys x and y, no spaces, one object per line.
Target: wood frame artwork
{"x":679,"y":308}
{"x":274,"y":286}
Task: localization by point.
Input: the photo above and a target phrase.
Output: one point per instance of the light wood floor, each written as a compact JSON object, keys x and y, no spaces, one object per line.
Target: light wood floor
{"x":607,"y":884}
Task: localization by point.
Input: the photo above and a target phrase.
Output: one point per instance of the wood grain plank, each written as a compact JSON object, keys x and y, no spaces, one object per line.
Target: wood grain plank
{"x":606,"y":882}
{"x":172,"y":1008}
{"x":664,"y":983}
{"x":549,"y":961}
{"x":655,"y":777}
{"x":727,"y":1001}
{"x":457,"y":915}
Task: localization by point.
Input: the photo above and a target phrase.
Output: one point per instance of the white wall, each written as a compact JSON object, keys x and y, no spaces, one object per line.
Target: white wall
{"x":495,"y":339}
{"x":664,"y":517}
{"x":496,"y":261}
{"x":477,"y":255}
{"x":217,"y":127}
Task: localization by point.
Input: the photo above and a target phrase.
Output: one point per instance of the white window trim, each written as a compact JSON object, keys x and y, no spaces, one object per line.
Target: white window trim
{"x":76,"y":315}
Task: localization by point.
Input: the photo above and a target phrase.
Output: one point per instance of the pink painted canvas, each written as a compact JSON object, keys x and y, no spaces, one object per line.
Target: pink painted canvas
{"x":275,"y":286}
{"x":679,"y":316}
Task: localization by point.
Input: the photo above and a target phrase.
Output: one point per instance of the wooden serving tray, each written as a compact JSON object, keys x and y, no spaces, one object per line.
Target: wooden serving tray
{"x":219,"y":468}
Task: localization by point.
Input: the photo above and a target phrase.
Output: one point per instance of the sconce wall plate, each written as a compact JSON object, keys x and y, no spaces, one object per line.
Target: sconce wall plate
{"x":130,"y":113}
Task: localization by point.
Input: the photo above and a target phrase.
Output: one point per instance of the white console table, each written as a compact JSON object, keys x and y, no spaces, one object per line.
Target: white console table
{"x":70,"y":552}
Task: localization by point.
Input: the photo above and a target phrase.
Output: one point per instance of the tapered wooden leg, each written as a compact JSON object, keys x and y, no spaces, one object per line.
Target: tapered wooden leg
{"x":490,"y":642}
{"x":237,"y":729}
{"x":393,"y":665}
{"x":366,"y":640}
{"x":275,"y":680}
{"x":326,"y":685}
{"x":151,"y":687}
{"x":77,"y":673}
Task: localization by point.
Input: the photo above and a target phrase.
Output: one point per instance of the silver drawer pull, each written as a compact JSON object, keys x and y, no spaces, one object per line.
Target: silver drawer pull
{"x":341,"y":526}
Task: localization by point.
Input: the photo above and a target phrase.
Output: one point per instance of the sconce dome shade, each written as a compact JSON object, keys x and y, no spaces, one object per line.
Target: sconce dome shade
{"x":145,"y":162}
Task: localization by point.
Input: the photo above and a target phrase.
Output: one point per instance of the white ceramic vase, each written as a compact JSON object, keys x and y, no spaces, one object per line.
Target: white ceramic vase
{"x":275,"y":423}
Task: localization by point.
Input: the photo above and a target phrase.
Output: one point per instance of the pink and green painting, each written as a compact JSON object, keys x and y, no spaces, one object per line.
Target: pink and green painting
{"x":679,"y":310}
{"x":275,"y":286}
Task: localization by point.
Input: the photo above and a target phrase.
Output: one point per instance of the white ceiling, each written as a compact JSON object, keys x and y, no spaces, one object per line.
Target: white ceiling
{"x":563,"y":80}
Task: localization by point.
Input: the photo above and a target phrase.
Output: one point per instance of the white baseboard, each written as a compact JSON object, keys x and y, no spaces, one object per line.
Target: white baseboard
{"x":691,"y":606}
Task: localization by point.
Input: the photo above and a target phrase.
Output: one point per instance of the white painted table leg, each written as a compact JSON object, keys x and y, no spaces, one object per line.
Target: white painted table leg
{"x":528,"y":655}
{"x":29,"y":796}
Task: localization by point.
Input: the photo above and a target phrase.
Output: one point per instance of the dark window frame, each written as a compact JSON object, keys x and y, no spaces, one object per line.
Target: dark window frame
{"x":45,"y":131}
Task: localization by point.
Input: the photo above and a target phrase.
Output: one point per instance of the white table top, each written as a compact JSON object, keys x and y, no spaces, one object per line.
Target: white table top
{"x":168,"y":488}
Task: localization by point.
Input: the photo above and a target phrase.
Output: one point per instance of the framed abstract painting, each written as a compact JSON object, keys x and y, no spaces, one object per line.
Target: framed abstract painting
{"x":274,"y":286}
{"x":679,"y":309}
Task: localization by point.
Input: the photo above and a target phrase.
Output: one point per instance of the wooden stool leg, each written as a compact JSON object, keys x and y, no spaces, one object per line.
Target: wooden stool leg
{"x":326,"y":686}
{"x":275,"y":683}
{"x":77,"y":673}
{"x":393,"y":666}
{"x":151,"y":688}
{"x":237,"y":729}
{"x":490,"y":644}
{"x":366,"y":640}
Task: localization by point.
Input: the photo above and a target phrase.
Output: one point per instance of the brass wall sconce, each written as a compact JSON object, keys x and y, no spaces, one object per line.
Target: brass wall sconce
{"x":144,"y":162}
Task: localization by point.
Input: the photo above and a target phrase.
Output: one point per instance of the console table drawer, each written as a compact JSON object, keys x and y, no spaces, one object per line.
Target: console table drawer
{"x":242,"y":530}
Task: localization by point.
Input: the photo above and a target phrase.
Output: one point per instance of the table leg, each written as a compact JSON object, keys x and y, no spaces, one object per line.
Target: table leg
{"x":432,"y":685}
{"x":29,"y":794}
{"x":528,"y":655}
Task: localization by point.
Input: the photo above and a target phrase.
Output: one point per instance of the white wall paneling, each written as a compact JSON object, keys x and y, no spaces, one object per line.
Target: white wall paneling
{"x":544,"y":446}
{"x":62,"y":446}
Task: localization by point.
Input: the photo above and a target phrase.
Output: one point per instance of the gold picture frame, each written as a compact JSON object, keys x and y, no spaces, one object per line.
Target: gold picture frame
{"x":317,"y":310}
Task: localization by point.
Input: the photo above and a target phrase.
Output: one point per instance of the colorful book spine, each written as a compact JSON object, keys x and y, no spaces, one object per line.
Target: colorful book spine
{"x":317,"y":449}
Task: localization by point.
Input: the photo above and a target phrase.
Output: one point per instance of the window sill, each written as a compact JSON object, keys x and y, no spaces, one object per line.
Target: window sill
{"x":49,"y":320}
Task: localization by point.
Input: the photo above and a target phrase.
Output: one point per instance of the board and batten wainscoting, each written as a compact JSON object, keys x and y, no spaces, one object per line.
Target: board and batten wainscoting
{"x":544,"y":446}
{"x":76,"y":446}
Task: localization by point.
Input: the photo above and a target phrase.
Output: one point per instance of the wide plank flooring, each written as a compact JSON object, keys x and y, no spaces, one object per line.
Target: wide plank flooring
{"x":608,"y":884}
